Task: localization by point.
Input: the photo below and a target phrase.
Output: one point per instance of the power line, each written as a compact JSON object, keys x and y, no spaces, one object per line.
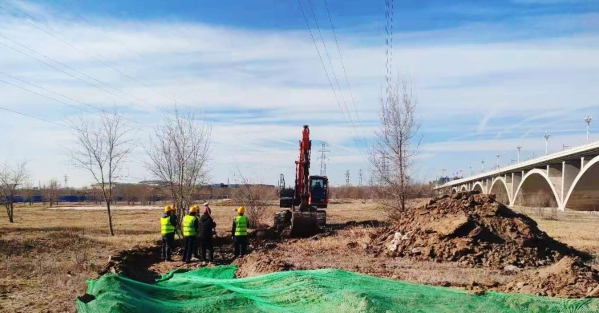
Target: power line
{"x":326,"y":3}
{"x":389,"y":10}
{"x":58,"y":94}
{"x":330,"y":61}
{"x":324,"y":67}
{"x":77,"y":71}
{"x":9,"y":83}
{"x":76,"y":48}
{"x":79,"y":16}
{"x":30,"y":116}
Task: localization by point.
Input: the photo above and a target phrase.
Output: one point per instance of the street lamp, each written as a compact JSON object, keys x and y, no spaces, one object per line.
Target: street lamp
{"x":470,"y":167}
{"x":498,"y":155}
{"x":547,"y":135}
{"x":461,"y":174}
{"x":588,"y":119}
{"x":482,"y":166}
{"x":519,"y":147}
{"x":564,"y":146}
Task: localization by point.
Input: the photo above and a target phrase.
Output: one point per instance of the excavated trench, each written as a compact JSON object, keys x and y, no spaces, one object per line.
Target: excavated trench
{"x":501,"y":248}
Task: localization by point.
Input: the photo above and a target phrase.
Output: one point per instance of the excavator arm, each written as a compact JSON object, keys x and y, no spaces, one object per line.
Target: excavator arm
{"x":304,"y":216}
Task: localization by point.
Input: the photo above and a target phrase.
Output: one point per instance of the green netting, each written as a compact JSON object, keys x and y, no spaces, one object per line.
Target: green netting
{"x":216,"y":290}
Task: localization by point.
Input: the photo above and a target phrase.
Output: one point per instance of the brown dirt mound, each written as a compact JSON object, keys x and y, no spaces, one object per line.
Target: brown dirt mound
{"x":256,"y":264}
{"x":568,"y":278}
{"x":472,"y":229}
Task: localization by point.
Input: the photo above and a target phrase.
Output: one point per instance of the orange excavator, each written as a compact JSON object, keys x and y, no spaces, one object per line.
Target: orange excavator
{"x":309,"y":194}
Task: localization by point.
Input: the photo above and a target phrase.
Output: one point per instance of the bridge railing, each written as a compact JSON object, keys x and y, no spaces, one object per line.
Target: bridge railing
{"x":526,"y":163}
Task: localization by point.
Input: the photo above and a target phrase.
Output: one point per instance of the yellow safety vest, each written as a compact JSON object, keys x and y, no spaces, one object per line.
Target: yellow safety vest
{"x":165,"y":225}
{"x":241,"y":224}
{"x":188,"y":229}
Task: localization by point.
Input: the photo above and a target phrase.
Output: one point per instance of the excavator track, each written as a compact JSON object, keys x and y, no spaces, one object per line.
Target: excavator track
{"x":300,"y":224}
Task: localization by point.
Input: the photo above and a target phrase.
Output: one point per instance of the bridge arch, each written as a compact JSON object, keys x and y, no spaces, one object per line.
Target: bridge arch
{"x":500,"y":189}
{"x":584,"y":191}
{"x":536,"y":189}
{"x":464,"y":188}
{"x":478,"y":186}
{"x":454,"y":189}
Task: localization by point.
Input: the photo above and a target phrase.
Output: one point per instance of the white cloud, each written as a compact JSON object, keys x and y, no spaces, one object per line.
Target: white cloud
{"x":217,"y":68}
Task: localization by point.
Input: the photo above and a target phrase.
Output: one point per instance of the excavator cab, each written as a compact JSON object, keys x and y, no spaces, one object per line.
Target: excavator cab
{"x":319,"y":191}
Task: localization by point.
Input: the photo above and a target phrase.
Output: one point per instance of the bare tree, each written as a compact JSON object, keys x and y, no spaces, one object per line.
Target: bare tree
{"x":256,"y":198}
{"x":28,"y":191}
{"x":100,"y":148}
{"x":10,"y":179}
{"x":51,"y":191}
{"x":178,"y":155}
{"x":396,"y":145}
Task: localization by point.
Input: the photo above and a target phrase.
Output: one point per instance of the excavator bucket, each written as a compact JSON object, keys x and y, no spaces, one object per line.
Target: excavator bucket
{"x":304,"y":224}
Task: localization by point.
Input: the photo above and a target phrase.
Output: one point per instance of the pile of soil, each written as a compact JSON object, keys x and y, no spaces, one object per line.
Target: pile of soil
{"x":568,"y":278}
{"x":255,"y":264}
{"x":472,"y":229}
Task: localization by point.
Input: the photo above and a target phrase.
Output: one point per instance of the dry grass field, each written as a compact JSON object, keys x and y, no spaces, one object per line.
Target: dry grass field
{"x":47,"y":254}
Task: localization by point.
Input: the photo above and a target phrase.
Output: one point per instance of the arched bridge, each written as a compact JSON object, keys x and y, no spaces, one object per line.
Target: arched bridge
{"x":566,"y":179}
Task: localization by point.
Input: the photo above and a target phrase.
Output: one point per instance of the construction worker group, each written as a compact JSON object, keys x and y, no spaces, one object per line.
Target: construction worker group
{"x":199,"y":230}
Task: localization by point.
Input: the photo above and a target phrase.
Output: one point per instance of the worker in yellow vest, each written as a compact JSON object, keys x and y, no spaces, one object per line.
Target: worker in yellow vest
{"x":168,"y":224}
{"x":240,"y":233}
{"x":190,"y":230}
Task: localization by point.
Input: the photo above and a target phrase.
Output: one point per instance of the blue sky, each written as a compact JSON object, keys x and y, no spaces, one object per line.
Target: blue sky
{"x":488,"y":75}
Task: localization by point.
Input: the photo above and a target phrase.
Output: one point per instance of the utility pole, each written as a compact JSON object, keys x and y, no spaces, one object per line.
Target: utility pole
{"x":347,"y":177}
{"x":547,"y":135}
{"x":519,"y":147}
{"x":588,"y":120}
{"x":66,"y":179}
{"x":498,"y":155}
{"x":323,"y":164}
{"x":360,"y":177}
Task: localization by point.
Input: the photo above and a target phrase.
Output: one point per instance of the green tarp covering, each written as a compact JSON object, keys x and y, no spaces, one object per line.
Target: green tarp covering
{"x":216,"y":290}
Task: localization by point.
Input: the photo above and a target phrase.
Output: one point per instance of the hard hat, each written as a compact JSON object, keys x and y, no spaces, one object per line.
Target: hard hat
{"x":194,"y":209}
{"x":168,"y":208}
{"x":206,"y":203}
{"x":241,"y":210}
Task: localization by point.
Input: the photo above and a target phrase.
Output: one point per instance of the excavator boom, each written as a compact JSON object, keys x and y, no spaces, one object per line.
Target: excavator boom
{"x":309,"y":194}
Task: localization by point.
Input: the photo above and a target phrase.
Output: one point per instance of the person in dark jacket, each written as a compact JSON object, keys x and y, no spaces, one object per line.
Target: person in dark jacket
{"x":168,"y":226}
{"x":239,"y":232}
{"x":190,"y":232}
{"x":207,"y":207}
{"x":207,"y":229}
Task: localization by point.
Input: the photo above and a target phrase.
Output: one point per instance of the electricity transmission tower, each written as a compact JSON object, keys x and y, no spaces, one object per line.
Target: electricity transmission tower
{"x":347,"y":177}
{"x":323,"y":158}
{"x":360,"y":177}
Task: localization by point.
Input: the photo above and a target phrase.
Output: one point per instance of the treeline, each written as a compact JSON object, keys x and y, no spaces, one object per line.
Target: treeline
{"x":374,"y":192}
{"x":130,"y":194}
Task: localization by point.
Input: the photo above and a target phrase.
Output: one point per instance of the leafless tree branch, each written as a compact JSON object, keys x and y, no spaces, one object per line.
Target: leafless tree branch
{"x":392,"y":154}
{"x":100,"y":148}
{"x":11,"y":177}
{"x":256,"y":199}
{"x":178,"y":155}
